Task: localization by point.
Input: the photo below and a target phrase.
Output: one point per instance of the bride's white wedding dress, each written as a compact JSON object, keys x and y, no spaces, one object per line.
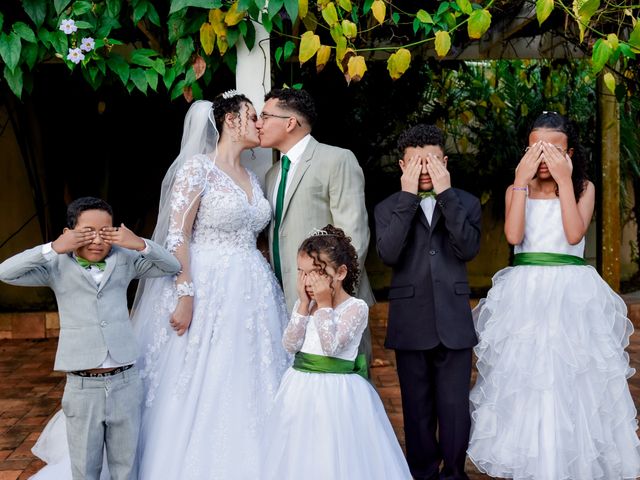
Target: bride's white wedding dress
{"x":208,"y":392}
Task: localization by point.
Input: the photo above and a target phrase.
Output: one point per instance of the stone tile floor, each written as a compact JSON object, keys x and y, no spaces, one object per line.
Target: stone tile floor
{"x":30,"y":394}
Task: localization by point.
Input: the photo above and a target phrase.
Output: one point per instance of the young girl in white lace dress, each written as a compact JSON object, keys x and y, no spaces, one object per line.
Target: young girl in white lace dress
{"x":327,"y":420}
{"x":551,"y":400}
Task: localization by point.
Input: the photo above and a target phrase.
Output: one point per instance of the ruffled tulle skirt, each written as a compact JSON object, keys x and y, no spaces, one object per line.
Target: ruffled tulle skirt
{"x":551,"y":400}
{"x":330,"y":426}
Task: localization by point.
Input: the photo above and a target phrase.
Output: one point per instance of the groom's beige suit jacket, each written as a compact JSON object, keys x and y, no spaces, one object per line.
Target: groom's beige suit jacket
{"x":327,"y":187}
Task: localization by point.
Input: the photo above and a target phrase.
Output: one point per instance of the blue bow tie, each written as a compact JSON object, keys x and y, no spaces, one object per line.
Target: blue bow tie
{"x":84,"y":263}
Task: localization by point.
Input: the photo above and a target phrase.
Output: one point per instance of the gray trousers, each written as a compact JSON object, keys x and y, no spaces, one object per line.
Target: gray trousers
{"x":103,"y":414}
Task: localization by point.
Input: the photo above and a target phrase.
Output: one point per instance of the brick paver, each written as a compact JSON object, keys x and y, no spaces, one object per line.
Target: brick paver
{"x":30,"y":394}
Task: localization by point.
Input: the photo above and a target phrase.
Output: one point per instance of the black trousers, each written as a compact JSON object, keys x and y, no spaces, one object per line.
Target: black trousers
{"x":435,"y":403}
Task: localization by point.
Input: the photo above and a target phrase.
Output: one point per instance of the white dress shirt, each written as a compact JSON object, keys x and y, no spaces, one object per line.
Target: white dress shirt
{"x":294,"y":155}
{"x":428,"y":204}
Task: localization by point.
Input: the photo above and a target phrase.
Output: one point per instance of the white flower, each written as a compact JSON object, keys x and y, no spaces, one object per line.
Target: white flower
{"x":75,"y":55}
{"x":87,"y":44}
{"x":68,"y":26}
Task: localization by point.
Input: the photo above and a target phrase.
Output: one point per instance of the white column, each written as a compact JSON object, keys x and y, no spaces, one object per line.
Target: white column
{"x":253,"y":78}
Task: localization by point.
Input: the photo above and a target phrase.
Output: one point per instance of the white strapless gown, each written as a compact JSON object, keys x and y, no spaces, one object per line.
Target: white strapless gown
{"x":551,"y":400}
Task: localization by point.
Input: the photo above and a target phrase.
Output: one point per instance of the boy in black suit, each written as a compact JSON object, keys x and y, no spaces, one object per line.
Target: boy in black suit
{"x":427,"y":232}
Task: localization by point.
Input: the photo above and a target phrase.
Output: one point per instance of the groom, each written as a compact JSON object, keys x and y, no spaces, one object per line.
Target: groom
{"x":311,"y":185}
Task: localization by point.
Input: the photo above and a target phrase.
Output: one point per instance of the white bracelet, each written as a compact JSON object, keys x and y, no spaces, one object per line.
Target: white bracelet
{"x":185,"y":289}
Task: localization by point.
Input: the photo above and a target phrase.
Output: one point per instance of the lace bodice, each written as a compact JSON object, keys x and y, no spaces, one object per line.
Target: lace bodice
{"x":330,"y":332}
{"x":543,"y":231}
{"x":225,"y":217}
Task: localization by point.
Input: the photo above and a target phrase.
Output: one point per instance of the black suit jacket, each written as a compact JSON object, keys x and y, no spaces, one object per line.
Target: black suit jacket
{"x":429,"y":294}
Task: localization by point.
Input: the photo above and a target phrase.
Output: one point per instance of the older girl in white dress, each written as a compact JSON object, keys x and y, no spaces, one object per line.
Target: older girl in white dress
{"x":551,"y":400}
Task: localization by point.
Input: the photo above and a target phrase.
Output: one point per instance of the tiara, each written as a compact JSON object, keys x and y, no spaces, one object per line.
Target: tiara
{"x":316,"y":232}
{"x":549,"y":112}
{"x":230,"y":93}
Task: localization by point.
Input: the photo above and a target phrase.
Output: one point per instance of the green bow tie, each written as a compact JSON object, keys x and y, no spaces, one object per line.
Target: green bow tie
{"x":84,"y":263}
{"x":427,"y":194}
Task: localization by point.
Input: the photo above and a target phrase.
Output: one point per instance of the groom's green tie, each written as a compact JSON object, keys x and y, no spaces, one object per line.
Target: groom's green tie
{"x":286,"y":163}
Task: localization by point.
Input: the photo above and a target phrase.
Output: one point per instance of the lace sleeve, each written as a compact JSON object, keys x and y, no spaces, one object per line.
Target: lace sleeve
{"x":294,"y":334}
{"x":188,"y":187}
{"x":338,"y":329}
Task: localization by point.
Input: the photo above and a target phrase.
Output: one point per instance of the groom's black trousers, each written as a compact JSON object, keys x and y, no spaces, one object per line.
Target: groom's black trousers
{"x":435,"y":403}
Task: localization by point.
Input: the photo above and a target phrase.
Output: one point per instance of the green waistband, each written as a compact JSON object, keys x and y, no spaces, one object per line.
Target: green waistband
{"x":546,"y":259}
{"x":308,"y":362}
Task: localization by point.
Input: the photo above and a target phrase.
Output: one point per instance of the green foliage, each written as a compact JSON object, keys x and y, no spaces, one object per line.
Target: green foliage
{"x":162,"y":40}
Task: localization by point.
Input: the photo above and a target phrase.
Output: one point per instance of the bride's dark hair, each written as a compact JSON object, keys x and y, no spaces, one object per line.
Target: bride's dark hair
{"x":336,"y":246}
{"x":221,"y":106}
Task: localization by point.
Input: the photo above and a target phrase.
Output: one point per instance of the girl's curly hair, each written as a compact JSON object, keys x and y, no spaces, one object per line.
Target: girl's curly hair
{"x":336,"y":246}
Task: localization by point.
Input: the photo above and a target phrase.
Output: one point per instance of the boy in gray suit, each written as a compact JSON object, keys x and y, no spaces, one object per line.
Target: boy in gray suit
{"x":89,"y":268}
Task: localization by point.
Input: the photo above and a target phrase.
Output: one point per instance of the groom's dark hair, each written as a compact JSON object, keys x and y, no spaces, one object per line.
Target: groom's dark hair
{"x":82,"y":204}
{"x":297,"y":101}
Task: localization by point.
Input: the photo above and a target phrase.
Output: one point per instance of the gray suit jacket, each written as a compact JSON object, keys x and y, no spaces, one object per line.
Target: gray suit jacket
{"x":327,"y":187}
{"x":94,"y":319}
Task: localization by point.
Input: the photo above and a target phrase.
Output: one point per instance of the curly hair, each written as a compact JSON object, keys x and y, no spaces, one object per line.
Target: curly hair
{"x":297,"y":101}
{"x":221,"y":106}
{"x":560,"y":123}
{"x":82,"y":204}
{"x":419,"y":136}
{"x":336,"y":246}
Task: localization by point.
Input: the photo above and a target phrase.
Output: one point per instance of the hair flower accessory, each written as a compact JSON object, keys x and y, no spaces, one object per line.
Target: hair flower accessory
{"x":230,"y":93}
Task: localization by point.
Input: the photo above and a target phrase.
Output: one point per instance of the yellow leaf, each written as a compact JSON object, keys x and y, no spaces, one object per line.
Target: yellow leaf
{"x":464,"y":144}
{"x":349,"y":29}
{"x":309,"y":45}
{"x":356,"y":68}
{"x":303,"y":8}
{"x":322,"y":57}
{"x":216,"y":18}
{"x":398,"y":63}
{"x":613,"y":40}
{"x":584,"y":10}
{"x":345,"y":5}
{"x":496,"y":101}
{"x":610,"y":82}
{"x":207,"y":37}
{"x":330,"y":14}
{"x":544,"y":9}
{"x":479,"y":23}
{"x":233,"y":17}
{"x":443,"y":43}
{"x":379,"y":10}
{"x":222,"y":45}
{"x":466,"y":116}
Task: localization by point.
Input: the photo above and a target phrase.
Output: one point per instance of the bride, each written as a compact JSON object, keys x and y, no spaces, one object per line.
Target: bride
{"x":210,"y":338}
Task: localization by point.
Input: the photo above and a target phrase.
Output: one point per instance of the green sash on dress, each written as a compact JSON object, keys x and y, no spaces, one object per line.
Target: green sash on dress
{"x":310,"y":363}
{"x":546,"y":259}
